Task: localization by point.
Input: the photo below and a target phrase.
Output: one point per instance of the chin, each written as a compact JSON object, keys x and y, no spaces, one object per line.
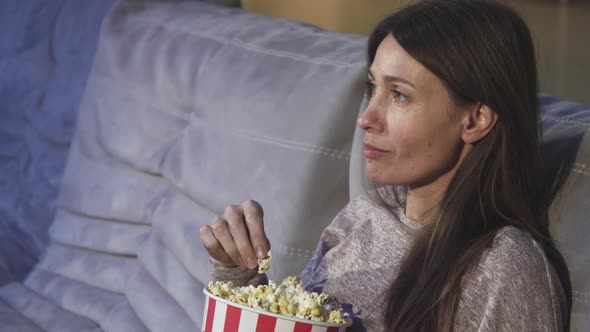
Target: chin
{"x":377,"y":176}
{"x":380,"y":176}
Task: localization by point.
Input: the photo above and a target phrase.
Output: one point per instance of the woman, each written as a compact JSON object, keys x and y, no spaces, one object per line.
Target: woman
{"x":456,"y":237}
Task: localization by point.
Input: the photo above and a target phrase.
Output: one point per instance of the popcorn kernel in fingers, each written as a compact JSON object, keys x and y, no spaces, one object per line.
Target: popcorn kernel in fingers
{"x":264,"y":263}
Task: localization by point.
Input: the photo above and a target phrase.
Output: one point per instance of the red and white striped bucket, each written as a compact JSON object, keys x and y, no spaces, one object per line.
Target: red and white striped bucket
{"x":224,"y":316}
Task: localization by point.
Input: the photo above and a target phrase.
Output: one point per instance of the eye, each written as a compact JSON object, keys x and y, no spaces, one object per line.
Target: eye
{"x":370,"y":89}
{"x":399,"y":97}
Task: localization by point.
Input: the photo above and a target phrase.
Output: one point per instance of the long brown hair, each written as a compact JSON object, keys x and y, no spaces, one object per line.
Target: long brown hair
{"x":483,"y":52}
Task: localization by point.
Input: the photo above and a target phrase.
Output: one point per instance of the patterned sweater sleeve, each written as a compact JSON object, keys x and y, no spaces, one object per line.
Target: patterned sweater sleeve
{"x":314,"y":274}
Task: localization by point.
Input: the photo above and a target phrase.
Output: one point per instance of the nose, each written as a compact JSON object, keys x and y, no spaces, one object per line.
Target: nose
{"x":370,"y":119}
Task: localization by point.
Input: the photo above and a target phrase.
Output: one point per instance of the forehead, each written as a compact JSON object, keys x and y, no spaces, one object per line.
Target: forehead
{"x":391,"y":59}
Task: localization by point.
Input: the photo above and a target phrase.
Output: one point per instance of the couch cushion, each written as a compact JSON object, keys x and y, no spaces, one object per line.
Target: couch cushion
{"x":42,"y":312}
{"x":12,"y":320}
{"x":46,"y":51}
{"x":190,"y":107}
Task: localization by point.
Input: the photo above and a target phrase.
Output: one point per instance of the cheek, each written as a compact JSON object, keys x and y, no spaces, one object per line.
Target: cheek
{"x":418,"y":155}
{"x":408,"y":141}
{"x":396,"y":167}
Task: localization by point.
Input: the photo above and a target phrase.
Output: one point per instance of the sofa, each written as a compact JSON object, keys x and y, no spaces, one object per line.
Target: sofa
{"x":128,"y":125}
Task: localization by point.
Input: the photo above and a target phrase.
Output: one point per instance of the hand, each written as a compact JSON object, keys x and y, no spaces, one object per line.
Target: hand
{"x":237,"y":238}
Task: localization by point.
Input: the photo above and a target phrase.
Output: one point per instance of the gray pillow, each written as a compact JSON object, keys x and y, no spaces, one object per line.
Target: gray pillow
{"x":190,"y":107}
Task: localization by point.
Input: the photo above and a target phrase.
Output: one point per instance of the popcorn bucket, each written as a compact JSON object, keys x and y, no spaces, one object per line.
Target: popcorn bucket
{"x":224,"y":316}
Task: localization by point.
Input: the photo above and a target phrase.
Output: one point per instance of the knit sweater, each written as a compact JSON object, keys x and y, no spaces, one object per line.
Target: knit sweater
{"x":514,"y":287}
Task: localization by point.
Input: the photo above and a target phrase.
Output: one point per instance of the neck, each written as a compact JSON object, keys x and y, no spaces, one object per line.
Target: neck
{"x":422,"y":200}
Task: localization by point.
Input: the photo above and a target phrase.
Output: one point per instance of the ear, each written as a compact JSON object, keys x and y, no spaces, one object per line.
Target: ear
{"x":477,"y":123}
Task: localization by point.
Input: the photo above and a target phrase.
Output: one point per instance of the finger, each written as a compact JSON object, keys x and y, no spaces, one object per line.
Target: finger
{"x":214,"y":248}
{"x":255,"y":222}
{"x":237,"y":226}
{"x":223,"y":235}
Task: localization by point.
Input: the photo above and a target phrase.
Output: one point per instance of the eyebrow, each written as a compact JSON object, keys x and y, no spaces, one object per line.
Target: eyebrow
{"x":390,"y":78}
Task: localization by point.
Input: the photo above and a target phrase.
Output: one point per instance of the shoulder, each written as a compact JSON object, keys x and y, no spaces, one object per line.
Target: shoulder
{"x":366,"y":206}
{"x":516,"y":262}
{"x":382,"y":202}
{"x":349,"y":219}
{"x":514,"y":253}
{"x":367,"y":212}
{"x":513,"y":283}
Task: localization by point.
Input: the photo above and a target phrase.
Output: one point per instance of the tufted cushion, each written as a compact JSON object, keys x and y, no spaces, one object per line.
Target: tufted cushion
{"x":190,"y":107}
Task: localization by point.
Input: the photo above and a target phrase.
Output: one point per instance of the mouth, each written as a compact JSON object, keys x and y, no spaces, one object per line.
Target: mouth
{"x":373,"y":152}
{"x":372,"y":147}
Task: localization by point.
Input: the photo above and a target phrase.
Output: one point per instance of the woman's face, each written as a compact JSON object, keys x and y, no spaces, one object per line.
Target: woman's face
{"x":412,"y":125}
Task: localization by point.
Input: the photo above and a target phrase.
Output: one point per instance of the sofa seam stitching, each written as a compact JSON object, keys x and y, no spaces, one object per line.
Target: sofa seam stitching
{"x":318,"y":149}
{"x":581,"y":172}
{"x":565,"y":120}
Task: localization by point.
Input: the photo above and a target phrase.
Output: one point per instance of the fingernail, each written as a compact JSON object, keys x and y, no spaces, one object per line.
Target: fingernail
{"x":251,"y":262}
{"x":260,"y":252}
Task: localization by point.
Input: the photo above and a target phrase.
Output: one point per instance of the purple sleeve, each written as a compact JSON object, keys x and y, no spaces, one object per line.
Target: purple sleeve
{"x":314,"y":275}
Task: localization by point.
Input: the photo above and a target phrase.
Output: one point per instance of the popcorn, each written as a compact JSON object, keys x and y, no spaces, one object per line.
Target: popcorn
{"x":264,"y":263}
{"x":287,"y":299}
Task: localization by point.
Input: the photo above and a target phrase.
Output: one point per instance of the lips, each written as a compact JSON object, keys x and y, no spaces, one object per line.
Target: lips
{"x":373,"y":152}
